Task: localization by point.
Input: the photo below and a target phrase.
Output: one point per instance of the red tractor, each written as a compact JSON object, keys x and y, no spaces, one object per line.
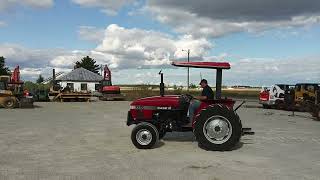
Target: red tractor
{"x":216,"y":125}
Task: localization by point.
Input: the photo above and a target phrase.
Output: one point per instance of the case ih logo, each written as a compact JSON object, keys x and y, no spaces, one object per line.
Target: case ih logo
{"x":150,"y":108}
{"x":164,"y":108}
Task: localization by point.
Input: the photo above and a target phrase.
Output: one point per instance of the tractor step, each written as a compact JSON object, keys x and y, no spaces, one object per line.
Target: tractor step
{"x":247,"y":131}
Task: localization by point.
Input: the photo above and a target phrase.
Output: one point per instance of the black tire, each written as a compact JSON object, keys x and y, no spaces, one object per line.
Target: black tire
{"x":316,"y":113}
{"x":301,"y":108}
{"x":279,"y":105}
{"x":162,"y":134}
{"x":9,"y":103}
{"x":147,"y":127}
{"x":229,"y":116}
{"x":266,"y":106}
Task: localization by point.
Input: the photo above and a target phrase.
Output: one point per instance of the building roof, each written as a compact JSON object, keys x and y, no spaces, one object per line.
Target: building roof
{"x":82,"y":75}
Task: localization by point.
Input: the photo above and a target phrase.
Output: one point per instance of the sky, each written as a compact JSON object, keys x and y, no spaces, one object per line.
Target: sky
{"x":266,"y":41}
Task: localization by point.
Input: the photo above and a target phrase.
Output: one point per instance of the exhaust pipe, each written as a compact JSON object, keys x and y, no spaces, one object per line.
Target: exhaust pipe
{"x":53,"y":75}
{"x":161,"y":84}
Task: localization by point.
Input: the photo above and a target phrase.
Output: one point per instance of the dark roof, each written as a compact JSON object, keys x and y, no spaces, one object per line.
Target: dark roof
{"x":81,"y":74}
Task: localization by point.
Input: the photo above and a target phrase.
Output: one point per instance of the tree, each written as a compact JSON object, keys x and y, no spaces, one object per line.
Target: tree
{"x":3,"y":69}
{"x":40,"y":79}
{"x":89,"y":64}
{"x":193,"y":86}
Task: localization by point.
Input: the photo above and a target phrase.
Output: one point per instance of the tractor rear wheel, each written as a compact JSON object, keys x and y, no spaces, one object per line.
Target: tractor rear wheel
{"x":144,"y":136}
{"x":162,"y":134}
{"x":218,"y":128}
{"x":9,"y":103}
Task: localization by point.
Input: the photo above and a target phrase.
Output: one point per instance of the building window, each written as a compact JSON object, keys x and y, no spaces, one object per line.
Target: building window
{"x":84,"y":87}
{"x":71,"y":86}
{"x":97,"y":87}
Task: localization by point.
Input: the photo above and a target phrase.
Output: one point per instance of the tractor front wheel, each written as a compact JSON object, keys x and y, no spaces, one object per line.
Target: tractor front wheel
{"x":218,"y":128}
{"x":144,"y":136}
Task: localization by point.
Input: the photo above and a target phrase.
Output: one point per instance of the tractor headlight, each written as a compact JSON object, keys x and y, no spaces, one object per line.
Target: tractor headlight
{"x":132,"y":107}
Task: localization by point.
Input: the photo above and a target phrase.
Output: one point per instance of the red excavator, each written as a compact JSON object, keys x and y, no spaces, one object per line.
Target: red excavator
{"x":11,"y":91}
{"x":109,"y":92}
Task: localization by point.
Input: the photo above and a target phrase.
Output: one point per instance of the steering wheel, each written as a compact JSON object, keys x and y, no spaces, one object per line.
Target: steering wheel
{"x":187,"y":97}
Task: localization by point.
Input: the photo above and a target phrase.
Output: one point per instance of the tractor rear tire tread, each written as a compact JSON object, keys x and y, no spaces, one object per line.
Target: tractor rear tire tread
{"x":223,"y":111}
{"x":162,"y":134}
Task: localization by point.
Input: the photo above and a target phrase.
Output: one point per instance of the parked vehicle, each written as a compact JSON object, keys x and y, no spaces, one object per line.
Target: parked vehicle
{"x":305,"y":91}
{"x":301,"y":96}
{"x":12,"y":94}
{"x":273,"y":97}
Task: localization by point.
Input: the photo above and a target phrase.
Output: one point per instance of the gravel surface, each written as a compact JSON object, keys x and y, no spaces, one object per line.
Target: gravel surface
{"x":91,"y":141}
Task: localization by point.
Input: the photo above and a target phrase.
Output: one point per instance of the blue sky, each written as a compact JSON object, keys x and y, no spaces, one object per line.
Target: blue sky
{"x":140,"y":37}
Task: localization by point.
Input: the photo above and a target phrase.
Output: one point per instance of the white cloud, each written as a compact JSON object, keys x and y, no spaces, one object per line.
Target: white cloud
{"x":253,"y":71}
{"x":31,"y":74}
{"x":125,"y":50}
{"x":33,"y":62}
{"x":120,"y":48}
{"x":6,"y":5}
{"x":66,"y":60}
{"x":137,"y":48}
{"x":246,"y":71}
{"x":198,"y":47}
{"x":109,"y":7}
{"x":3,"y":24}
{"x":213,"y":18}
{"x":17,"y":54}
{"x":90,"y":33}
{"x":37,"y":3}
{"x":40,"y":58}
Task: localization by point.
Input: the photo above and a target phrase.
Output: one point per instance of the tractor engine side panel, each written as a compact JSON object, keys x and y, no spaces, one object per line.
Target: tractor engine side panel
{"x":142,"y":114}
{"x":144,"y":109}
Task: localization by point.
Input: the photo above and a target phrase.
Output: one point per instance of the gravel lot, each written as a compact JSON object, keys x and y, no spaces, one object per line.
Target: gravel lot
{"x":92,"y":141}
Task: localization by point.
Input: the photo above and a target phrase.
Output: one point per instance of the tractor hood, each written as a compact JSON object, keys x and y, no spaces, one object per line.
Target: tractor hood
{"x":158,"y":101}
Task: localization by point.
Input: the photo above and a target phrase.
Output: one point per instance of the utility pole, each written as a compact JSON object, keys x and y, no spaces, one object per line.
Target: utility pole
{"x":188,"y":83}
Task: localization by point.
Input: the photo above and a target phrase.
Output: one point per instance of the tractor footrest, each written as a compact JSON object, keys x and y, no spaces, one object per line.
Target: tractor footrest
{"x":247,"y":131}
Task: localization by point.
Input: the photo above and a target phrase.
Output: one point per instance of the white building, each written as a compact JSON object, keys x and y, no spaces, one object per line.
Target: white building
{"x":80,"y":80}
